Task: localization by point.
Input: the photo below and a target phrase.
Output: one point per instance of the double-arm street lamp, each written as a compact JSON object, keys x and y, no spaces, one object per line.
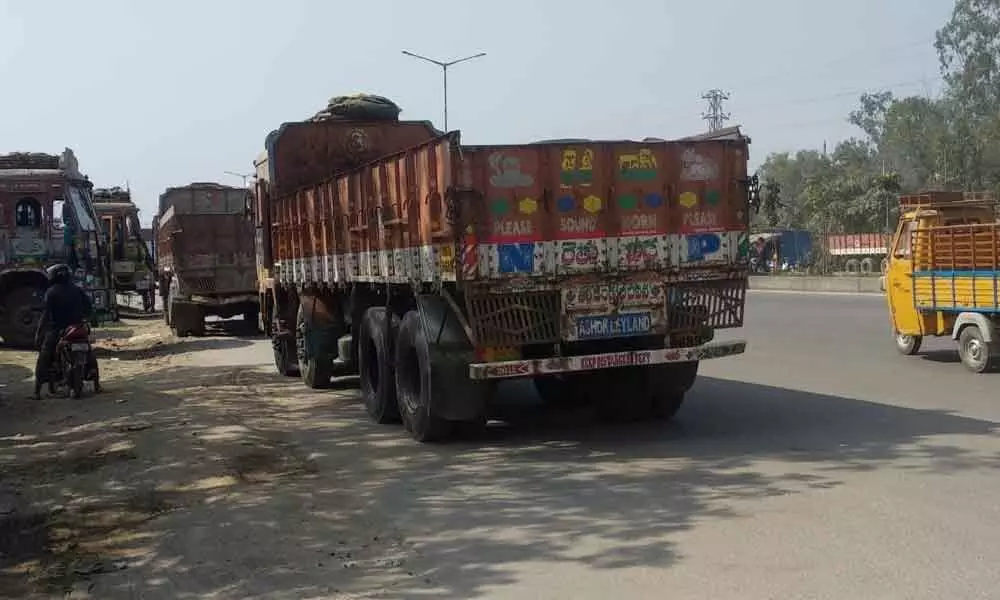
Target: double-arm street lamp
{"x":444,"y":67}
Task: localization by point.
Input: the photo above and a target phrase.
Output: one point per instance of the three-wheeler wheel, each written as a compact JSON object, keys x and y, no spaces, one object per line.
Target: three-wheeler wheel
{"x":907,"y":345}
{"x":976,"y":353}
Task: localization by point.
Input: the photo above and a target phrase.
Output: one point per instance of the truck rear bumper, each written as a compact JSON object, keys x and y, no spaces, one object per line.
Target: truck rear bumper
{"x":510,"y":369}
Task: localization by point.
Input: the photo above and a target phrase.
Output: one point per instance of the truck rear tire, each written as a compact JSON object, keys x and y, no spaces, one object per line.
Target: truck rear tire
{"x":284,"y":355}
{"x":636,"y":393}
{"x":414,"y":386}
{"x":23,"y":310}
{"x":376,"y":363}
{"x":197,"y":321}
{"x":559,"y":391}
{"x":316,"y":373}
{"x":667,"y":385}
{"x":976,"y":353}
{"x":620,"y":395}
{"x":187,"y":319}
{"x":251,"y":317}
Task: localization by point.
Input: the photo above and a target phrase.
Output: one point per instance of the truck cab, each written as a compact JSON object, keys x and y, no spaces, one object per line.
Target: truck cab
{"x":942,"y":274}
{"x":131,"y":263}
{"x":46,"y":217}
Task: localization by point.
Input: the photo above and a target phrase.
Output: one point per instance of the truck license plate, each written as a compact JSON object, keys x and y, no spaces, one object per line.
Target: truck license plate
{"x":606,"y":326}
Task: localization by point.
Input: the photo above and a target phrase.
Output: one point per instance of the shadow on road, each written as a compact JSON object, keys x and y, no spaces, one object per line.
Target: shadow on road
{"x":136,"y":314}
{"x":11,"y":376}
{"x":171,"y":346}
{"x":310,"y":498}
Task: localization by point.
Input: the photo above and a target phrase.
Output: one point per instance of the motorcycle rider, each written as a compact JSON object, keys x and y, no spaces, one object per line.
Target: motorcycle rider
{"x":65,"y":305}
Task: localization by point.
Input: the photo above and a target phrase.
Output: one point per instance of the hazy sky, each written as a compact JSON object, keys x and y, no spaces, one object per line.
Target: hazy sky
{"x":165,"y":93}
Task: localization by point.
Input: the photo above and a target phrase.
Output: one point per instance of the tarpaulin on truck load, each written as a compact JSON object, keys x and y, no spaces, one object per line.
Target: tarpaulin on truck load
{"x":359,"y":107}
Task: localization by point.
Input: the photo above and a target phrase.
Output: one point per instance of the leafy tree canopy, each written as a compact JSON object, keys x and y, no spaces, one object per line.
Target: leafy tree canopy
{"x":907,"y":144}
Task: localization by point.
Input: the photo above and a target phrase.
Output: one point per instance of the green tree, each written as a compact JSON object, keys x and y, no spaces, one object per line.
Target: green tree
{"x":968,"y":47}
{"x":771,"y":202}
{"x":909,"y":144}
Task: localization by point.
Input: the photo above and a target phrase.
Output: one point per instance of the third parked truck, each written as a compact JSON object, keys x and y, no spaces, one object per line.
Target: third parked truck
{"x":600,"y":270}
{"x":205,"y":254}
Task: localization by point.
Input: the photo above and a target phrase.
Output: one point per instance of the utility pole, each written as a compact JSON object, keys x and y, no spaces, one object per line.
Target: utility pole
{"x":715,"y":115}
{"x":444,"y":67}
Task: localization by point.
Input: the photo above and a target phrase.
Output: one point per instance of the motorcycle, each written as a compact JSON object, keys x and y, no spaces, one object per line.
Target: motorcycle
{"x":74,"y":362}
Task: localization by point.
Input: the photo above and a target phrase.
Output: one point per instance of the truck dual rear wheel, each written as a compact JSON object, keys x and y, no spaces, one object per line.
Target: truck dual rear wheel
{"x":316,"y":373}
{"x":23,"y":310}
{"x":414,"y":386}
{"x":635,"y":393}
{"x":251,"y":318}
{"x":187,"y":319}
{"x":284,"y":355}
{"x":560,"y":391}
{"x":376,"y":361}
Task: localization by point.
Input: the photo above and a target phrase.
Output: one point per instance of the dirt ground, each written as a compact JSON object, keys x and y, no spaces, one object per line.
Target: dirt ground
{"x":179,"y":480}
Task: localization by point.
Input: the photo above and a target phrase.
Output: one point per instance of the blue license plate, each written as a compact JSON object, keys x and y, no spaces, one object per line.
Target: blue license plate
{"x":606,"y":326}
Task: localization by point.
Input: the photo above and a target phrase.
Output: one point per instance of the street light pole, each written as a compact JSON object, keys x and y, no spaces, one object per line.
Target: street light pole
{"x":444,"y":68}
{"x":241,"y":175}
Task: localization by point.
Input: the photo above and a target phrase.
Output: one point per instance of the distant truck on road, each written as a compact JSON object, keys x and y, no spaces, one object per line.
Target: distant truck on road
{"x":205,"y":251}
{"x":131,"y":262}
{"x":46,"y":217}
{"x":943,"y":276}
{"x":600,"y":270}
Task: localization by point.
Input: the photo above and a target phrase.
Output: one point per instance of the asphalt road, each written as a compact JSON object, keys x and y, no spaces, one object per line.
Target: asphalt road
{"x":820,"y":465}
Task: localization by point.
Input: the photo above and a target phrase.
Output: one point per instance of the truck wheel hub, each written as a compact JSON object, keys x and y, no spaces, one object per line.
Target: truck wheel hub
{"x":975,"y":350}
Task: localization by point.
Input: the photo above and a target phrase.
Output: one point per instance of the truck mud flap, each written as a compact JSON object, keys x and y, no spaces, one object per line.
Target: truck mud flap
{"x":512,"y":369}
{"x":462,"y":398}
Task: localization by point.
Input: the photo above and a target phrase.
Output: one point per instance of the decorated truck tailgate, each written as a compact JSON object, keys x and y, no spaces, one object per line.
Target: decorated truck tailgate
{"x":605,"y":207}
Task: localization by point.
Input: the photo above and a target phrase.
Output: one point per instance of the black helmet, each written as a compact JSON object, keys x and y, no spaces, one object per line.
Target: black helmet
{"x":57,"y":273}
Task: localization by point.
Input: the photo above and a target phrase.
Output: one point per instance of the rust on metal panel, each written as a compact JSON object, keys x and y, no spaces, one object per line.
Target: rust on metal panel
{"x":306,"y":153}
{"x":396,"y":203}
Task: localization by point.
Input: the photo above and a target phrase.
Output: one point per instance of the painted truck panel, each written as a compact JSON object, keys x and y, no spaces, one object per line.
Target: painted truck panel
{"x":539,"y":211}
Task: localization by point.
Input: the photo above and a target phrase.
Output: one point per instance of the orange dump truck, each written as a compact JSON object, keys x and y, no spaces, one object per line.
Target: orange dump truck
{"x":600,"y":270}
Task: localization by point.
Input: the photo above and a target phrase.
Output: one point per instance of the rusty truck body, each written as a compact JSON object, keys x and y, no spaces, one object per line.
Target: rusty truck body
{"x":46,"y":217}
{"x":600,"y":270}
{"x":205,"y":254}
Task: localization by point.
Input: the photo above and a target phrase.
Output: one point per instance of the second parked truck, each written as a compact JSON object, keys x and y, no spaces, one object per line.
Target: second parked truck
{"x":600,"y":270}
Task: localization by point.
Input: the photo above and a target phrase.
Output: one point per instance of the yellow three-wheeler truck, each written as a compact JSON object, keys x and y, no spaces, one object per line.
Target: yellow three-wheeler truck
{"x":943,"y":276}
